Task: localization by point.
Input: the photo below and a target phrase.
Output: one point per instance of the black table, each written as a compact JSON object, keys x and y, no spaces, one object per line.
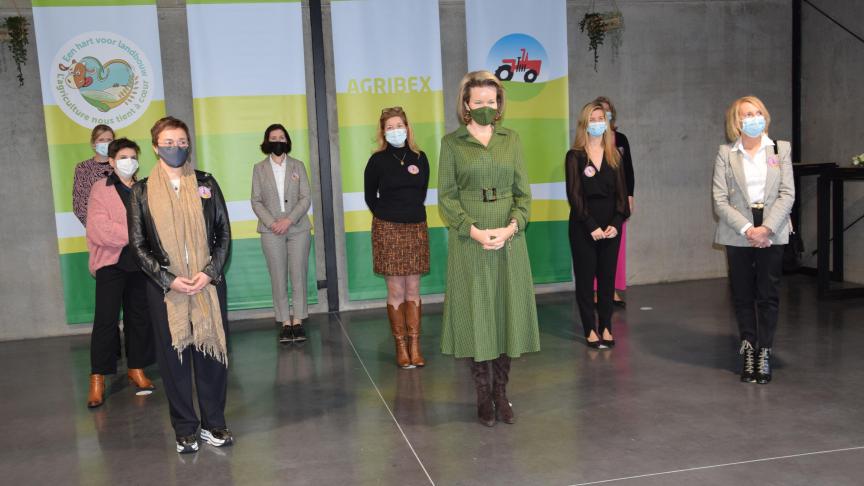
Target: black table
{"x":799,"y":171}
{"x":829,"y":229}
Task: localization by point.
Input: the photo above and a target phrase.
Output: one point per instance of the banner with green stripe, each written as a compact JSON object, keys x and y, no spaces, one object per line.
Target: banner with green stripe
{"x":99,"y":63}
{"x":386,"y":53}
{"x":526,"y":48}
{"x":247,"y":73}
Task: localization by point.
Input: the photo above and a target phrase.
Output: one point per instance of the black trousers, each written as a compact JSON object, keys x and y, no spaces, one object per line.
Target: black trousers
{"x":210,"y":376}
{"x":754,"y":275}
{"x":593,"y":259}
{"x":116,"y":287}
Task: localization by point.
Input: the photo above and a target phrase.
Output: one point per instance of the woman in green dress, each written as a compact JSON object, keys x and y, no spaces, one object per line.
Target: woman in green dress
{"x":484,"y":199}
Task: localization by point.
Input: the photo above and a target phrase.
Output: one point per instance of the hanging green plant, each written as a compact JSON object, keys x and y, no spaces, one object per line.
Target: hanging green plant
{"x":18,"y":40}
{"x":599,"y":26}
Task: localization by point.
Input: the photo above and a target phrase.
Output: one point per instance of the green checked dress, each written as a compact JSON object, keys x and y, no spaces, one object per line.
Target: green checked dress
{"x":489,"y":306}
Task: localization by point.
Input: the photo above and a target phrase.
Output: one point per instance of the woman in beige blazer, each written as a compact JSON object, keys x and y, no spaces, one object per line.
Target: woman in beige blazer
{"x":753,"y":195}
{"x":281,"y":200}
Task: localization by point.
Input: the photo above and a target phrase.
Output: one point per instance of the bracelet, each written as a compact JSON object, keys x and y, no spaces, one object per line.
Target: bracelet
{"x":516,"y":223}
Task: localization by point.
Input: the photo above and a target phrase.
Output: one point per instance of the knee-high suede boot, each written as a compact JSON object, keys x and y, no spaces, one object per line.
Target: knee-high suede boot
{"x":482,"y":379}
{"x":501,"y":372}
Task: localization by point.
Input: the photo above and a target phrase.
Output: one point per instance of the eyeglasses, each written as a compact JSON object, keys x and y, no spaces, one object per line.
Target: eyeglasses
{"x":171,"y":143}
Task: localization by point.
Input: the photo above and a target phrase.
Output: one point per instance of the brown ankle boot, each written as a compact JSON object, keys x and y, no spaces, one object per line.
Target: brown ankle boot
{"x":139,"y":379}
{"x":485,"y":408}
{"x":412,"y":322}
{"x":97,"y":391}
{"x":501,"y":372}
{"x":397,"y":326}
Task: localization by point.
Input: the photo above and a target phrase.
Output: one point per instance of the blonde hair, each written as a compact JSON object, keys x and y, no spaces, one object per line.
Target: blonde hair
{"x":581,"y":140}
{"x":386,"y":114}
{"x":478,"y":79}
{"x":613,"y":123}
{"x":733,"y":120}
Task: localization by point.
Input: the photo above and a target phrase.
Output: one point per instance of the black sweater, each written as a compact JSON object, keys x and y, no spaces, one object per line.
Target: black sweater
{"x":597,"y":197}
{"x":394,"y":190}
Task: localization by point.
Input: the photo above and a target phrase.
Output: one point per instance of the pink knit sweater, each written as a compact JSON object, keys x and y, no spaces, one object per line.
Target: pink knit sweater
{"x":107,"y":231}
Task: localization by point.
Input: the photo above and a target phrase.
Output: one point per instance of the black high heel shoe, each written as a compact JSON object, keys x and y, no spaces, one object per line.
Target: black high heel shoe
{"x":593,"y":344}
{"x":609,"y":343}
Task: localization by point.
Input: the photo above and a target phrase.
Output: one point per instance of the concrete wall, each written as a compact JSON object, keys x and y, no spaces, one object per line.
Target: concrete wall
{"x":681,"y":63}
{"x":833,"y":120}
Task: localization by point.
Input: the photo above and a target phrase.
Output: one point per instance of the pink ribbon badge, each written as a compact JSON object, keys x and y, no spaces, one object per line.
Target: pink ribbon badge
{"x":590,"y":171}
{"x":773,"y":162}
{"x":295,"y":176}
{"x":413,"y":169}
{"x":204,"y":192}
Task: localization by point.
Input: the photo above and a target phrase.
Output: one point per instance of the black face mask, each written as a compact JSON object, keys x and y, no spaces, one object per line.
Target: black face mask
{"x":277,"y":148}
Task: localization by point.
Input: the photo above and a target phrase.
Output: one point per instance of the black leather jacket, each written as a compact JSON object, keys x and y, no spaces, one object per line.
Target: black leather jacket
{"x":145,"y":240}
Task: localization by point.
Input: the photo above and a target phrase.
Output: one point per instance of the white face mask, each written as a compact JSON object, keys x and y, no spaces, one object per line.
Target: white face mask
{"x":126,"y":167}
{"x":396,"y":137}
{"x":101,"y":148}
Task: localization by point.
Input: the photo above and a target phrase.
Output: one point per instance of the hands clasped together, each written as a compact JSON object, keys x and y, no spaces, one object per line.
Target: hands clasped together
{"x":599,"y":233}
{"x":758,"y":237}
{"x":190,"y":286}
{"x":494,"y":239}
{"x":280,"y":226}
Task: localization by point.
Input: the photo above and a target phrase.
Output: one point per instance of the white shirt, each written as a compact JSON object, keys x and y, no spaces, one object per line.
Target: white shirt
{"x":279,"y":174}
{"x":755,"y":171}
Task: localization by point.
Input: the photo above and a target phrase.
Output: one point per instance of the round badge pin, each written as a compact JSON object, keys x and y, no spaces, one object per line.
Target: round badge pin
{"x":590,"y":171}
{"x":413,"y":169}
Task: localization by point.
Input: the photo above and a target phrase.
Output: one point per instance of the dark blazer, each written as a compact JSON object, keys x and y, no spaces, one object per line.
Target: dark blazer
{"x":148,"y":248}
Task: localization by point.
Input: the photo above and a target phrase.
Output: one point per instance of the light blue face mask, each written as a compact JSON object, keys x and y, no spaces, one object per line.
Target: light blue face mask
{"x":609,"y":116}
{"x":753,"y":126}
{"x":596,"y":129}
{"x":101,"y":148}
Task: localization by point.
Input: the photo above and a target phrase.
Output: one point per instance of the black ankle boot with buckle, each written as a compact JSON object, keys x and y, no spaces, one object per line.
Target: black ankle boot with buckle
{"x":763,"y":366}
{"x":748,"y":362}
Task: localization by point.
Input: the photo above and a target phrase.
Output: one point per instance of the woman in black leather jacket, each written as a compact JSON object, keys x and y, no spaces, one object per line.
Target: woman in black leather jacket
{"x":180,"y":233}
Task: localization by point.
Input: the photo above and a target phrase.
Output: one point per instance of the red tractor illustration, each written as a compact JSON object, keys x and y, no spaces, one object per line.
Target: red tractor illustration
{"x":511,"y":66}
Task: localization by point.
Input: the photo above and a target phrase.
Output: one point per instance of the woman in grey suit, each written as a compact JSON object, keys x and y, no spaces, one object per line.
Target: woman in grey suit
{"x":281,"y":199}
{"x":753,"y":195}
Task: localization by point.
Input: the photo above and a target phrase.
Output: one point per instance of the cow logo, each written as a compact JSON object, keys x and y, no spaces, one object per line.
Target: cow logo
{"x":521,"y":62}
{"x":102,"y":77}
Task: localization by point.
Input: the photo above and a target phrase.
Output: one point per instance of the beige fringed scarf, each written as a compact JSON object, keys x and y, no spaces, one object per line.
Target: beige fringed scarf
{"x":179,"y":220}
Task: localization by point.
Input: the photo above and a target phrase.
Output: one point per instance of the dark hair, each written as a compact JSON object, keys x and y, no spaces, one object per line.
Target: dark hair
{"x":120,"y":144}
{"x":99,"y":130}
{"x":271,"y":128}
{"x":167,"y":123}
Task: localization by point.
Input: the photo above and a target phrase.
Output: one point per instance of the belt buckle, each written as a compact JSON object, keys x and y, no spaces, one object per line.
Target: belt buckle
{"x":493,"y":197}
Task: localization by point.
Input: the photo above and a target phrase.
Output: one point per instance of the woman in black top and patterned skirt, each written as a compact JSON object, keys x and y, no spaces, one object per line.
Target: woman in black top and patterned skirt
{"x":395,"y":184}
{"x":598,"y":207}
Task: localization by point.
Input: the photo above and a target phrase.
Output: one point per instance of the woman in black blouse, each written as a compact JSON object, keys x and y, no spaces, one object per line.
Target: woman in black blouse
{"x":395,"y":184}
{"x":597,"y":194}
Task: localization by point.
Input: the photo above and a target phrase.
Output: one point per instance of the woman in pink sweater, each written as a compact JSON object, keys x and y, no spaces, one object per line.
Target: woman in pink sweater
{"x":119,"y":280}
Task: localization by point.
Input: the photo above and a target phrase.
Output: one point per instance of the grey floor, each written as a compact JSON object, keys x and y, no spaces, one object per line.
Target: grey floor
{"x":664,"y":407}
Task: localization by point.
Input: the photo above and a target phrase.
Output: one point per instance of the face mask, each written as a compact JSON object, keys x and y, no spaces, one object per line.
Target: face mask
{"x":596,"y":129}
{"x":174,"y":156}
{"x":484,"y":116}
{"x":396,"y":137}
{"x":101,"y":148}
{"x":753,"y":126}
{"x":609,"y":116}
{"x":277,"y":148}
{"x":126,"y":167}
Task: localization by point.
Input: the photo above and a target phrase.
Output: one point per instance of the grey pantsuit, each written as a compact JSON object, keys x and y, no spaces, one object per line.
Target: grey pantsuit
{"x":287,"y":254}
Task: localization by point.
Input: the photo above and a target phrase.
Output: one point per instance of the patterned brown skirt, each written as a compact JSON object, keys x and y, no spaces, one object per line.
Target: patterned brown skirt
{"x":399,"y":248}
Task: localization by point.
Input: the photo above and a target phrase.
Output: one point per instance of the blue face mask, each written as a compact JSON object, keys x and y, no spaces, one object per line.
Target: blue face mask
{"x":753,"y":126}
{"x":596,"y":129}
{"x":609,"y":116}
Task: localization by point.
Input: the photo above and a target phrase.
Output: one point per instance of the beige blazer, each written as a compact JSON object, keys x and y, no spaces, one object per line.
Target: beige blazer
{"x":732,"y":202}
{"x":265,"y":197}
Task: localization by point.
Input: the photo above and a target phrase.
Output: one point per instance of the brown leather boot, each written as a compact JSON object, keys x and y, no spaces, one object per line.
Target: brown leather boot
{"x":96,"y":396}
{"x":397,"y":326}
{"x":501,"y":372}
{"x":485,"y":408}
{"x":139,"y":379}
{"x":412,"y":322}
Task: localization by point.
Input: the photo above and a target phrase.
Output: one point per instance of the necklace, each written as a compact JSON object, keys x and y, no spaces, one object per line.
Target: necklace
{"x":402,"y":159}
